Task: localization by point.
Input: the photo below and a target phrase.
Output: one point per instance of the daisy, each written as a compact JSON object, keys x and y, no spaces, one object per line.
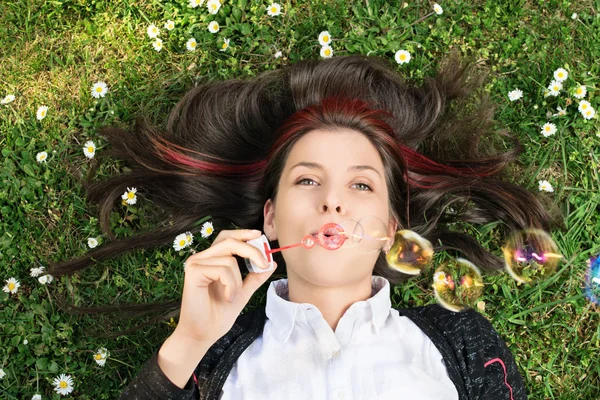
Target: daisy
{"x":37,"y":397}
{"x":560,"y":112}
{"x":438,"y":9}
{"x":189,"y":238}
{"x":278,"y":54}
{"x":45,"y":279}
{"x":157,"y":44}
{"x":41,"y":112}
{"x":99,"y":89}
{"x":583,"y":105}
{"x":90,"y":149}
{"x":324,"y":38}
{"x":402,"y":56}
{"x":555,"y":87}
{"x":545,"y":186}
{"x":169,"y":25}
{"x":589,"y":113}
{"x":129,"y":196}
{"x":35,"y":271}
{"x":548,"y":129}
{"x":213,"y":6}
{"x":574,"y":16}
{"x":92,"y":242}
{"x":2,"y":373}
{"x":180,"y":242}
{"x":101,"y":356}
{"x":274,"y":9}
{"x":7,"y":99}
{"x":561,"y":74}
{"x":191,"y":44}
{"x":326,"y":51}
{"x":515,"y":95}
{"x":580,"y":92}
{"x":225,"y":45}
{"x":63,"y":384}
{"x":12,"y":286}
{"x":207,"y":229}
{"x":196,"y":3}
{"x":25,"y":341}
{"x":41,"y":156}
{"x":213,"y":27}
{"x":153,"y":31}
{"x":439,"y":278}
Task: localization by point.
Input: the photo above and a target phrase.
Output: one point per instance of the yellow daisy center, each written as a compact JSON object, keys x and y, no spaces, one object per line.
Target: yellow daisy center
{"x":224,"y":46}
{"x":90,"y":149}
{"x":192,"y":44}
{"x":98,"y":356}
{"x":153,"y":30}
{"x":579,"y":90}
{"x":11,"y":286}
{"x":583,"y":106}
{"x":548,"y":128}
{"x":326,"y":38}
{"x":214,"y":6}
{"x":63,"y":384}
{"x":327,"y":52}
{"x":555,"y":88}
{"x":403,"y":56}
{"x":560,"y":75}
{"x":43,"y":113}
{"x":43,"y":156}
{"x":209,"y":230}
{"x":130,"y":195}
{"x":274,"y":9}
{"x":98,"y":89}
{"x":182,"y":242}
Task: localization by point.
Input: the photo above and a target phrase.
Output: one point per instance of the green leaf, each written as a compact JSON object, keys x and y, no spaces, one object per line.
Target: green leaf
{"x":29,"y":170}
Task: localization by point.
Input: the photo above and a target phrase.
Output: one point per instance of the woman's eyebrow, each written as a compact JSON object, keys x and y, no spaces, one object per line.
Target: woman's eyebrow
{"x":315,"y":165}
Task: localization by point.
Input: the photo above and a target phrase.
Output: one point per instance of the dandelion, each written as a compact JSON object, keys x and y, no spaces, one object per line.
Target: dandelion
{"x":101,"y":356}
{"x":225,"y":45}
{"x":41,"y":156}
{"x":191,"y":44}
{"x":12,"y":286}
{"x":438,"y":9}
{"x":555,"y":87}
{"x":36,"y":271}
{"x":2,"y":373}
{"x":548,"y":129}
{"x":90,"y":149}
{"x":402,"y":56}
{"x":580,"y":92}
{"x":44,"y":279}
{"x":129,"y":196}
{"x":213,"y":6}
{"x":180,"y":242}
{"x":515,"y":95}
{"x":589,"y":113}
{"x":7,"y":99}
{"x":37,"y":397}
{"x":63,"y":384}
{"x":92,"y":242}
{"x":560,"y":112}
{"x":213,"y":27}
{"x":274,"y":9}
{"x":153,"y":31}
{"x":278,"y":54}
{"x":574,"y":16}
{"x":169,"y":25}
{"x":545,"y":186}
{"x":324,"y":38}
{"x":41,"y":112}
{"x":99,"y":89}
{"x":196,"y":3}
{"x":207,"y":229}
{"x":157,"y":44}
{"x":326,"y":51}
{"x":561,"y":74}
{"x":583,"y":105}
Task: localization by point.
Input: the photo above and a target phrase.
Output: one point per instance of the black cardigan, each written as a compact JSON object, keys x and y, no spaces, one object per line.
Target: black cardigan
{"x":477,"y":360}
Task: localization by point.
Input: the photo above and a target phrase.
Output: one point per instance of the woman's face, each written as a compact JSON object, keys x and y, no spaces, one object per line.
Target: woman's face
{"x":325,"y":189}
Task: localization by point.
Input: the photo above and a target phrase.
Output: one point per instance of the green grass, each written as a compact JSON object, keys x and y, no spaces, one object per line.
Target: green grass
{"x":52,"y":53}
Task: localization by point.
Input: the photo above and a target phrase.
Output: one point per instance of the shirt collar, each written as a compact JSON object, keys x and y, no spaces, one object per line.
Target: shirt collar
{"x":283,"y":313}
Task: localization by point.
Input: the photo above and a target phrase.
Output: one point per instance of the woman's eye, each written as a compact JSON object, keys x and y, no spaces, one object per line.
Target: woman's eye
{"x":310,"y":180}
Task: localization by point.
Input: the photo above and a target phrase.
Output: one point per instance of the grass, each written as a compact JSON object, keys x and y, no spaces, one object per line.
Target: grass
{"x":52,"y":53}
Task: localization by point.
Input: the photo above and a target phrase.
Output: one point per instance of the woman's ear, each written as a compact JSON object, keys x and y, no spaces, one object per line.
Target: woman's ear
{"x":392,"y":228}
{"x":269,"y":218}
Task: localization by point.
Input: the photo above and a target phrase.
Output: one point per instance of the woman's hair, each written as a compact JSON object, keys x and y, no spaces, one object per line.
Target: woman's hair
{"x":226,"y":142}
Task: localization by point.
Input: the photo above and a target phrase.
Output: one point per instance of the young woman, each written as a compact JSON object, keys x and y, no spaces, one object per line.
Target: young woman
{"x":284,"y":153}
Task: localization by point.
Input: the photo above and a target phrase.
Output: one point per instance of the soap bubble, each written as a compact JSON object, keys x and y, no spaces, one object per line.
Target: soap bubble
{"x":457,"y":284}
{"x":531,"y":255}
{"x":368,"y":235}
{"x":410,"y":253}
{"x":592,"y":280}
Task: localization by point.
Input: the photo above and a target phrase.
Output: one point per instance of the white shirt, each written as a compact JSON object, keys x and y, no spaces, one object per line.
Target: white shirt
{"x":374,"y":353}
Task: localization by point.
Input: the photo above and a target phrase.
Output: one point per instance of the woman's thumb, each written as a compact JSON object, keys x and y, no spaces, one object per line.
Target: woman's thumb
{"x":255,"y":280}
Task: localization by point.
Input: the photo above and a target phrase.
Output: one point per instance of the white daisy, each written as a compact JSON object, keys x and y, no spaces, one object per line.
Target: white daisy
{"x":439,"y":278}
{"x":196,"y":3}
{"x":560,"y":112}
{"x":169,"y":25}
{"x":515,"y":95}
{"x":438,"y":9}
{"x":101,"y":356}
{"x":213,"y":27}
{"x":207,"y":229}
{"x":324,"y":38}
{"x":25,"y":341}
{"x":402,"y":56}
{"x":225,"y":45}
{"x":189,"y":237}
{"x":41,"y":112}
{"x":92,"y":242}
{"x":326,"y":51}
{"x":561,"y":74}
{"x":44,"y":279}
{"x":574,"y":16}
{"x":191,"y":44}
{"x":274,"y":9}
{"x":2,"y":373}
{"x":37,"y":397}
{"x":589,"y":113}
{"x":41,"y":156}
{"x":7,"y":99}
{"x":548,"y":129}
{"x":63,"y":384}
{"x":545,"y":186}
{"x":99,"y":89}
{"x":278,"y":54}
{"x":580,"y":92}
{"x":90,"y":149}
{"x":555,"y":87}
{"x":12,"y":286}
{"x":213,"y":6}
{"x":583,"y":105}
{"x":36,"y":271}
{"x":129,"y":196}
{"x":180,"y":242}
{"x":153,"y":31}
{"x":157,"y":44}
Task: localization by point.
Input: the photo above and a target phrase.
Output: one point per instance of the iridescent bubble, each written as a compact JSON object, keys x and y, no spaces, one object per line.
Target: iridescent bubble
{"x":531,"y":255}
{"x":592,"y":280}
{"x":457,"y":284}
{"x":410,"y":253}
{"x":369,"y":235}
